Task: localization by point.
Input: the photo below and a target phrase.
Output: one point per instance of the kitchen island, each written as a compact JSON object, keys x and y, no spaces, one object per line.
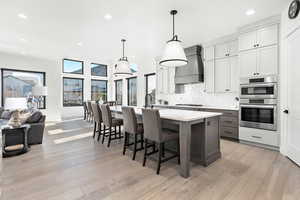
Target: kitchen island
{"x":199,"y":134}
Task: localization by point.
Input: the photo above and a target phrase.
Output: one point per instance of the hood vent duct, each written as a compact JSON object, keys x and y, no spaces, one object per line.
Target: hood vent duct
{"x":193,"y":72}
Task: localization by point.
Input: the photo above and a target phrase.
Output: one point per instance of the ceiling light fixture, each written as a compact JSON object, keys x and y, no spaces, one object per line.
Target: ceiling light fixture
{"x":174,"y":55}
{"x":250,"y":12}
{"x":107,"y":17}
{"x":123,"y":66}
{"x":23,"y":40}
{"x":79,"y":44}
{"x":22,"y":16}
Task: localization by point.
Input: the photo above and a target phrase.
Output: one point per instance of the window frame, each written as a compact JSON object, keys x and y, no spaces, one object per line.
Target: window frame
{"x":146,"y":85}
{"x":119,"y":80}
{"x":99,"y":75}
{"x":134,"y":77}
{"x":28,"y":71}
{"x":63,"y":66}
{"x":106,"y":84}
{"x":63,"y":91}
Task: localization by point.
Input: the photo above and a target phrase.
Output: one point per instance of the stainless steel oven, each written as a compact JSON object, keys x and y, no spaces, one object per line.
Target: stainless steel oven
{"x":262,"y":88}
{"x":258,"y":113}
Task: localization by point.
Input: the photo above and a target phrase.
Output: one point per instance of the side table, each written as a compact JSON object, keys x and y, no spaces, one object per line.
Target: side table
{"x":14,"y":140}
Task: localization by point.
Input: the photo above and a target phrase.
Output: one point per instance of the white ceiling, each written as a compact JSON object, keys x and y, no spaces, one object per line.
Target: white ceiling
{"x":54,"y":27}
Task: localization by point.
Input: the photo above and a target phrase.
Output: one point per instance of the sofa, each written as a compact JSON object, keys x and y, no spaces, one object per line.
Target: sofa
{"x":36,"y":122}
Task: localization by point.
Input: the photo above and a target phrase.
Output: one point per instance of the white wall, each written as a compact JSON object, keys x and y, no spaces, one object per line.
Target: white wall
{"x":53,"y":80}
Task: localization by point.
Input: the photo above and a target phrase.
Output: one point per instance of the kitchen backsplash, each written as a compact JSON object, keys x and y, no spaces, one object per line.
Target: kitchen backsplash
{"x":195,"y":94}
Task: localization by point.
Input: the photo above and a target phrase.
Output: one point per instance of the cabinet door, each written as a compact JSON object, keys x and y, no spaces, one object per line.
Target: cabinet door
{"x":209,"y":76}
{"x":247,"y":40}
{"x":267,"y":60}
{"x":267,"y":36}
{"x":209,"y":53}
{"x":234,"y":74}
{"x":159,"y":79}
{"x":171,"y":80}
{"x":248,"y":63}
{"x":165,"y":80}
{"x":233,"y":48}
{"x":222,"y":75}
{"x":221,"y":50}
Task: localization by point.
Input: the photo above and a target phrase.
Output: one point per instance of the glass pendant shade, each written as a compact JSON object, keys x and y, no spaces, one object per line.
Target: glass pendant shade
{"x":173,"y":55}
{"x":123,"y":68}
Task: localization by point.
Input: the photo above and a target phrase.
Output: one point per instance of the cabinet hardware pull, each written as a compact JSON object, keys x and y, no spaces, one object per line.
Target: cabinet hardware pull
{"x":256,"y":137}
{"x":228,"y":132}
{"x":228,"y":122}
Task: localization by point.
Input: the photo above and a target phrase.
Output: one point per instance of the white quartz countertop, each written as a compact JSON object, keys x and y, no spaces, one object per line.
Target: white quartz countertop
{"x":175,"y":114}
{"x":204,"y":106}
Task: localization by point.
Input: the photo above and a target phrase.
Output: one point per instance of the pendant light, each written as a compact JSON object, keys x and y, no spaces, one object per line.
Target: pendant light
{"x":174,"y":55}
{"x":123,"y":66}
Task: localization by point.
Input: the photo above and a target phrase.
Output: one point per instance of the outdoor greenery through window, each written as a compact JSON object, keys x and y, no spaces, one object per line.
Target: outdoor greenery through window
{"x":150,"y":89}
{"x":132,"y":89}
{"x":119,"y":88}
{"x":72,"y":91}
{"x":16,"y":83}
{"x":72,"y":66}
{"x":98,"y":69}
{"x":99,"y":90}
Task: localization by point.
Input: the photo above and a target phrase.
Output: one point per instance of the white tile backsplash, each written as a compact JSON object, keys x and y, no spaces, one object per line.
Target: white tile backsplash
{"x":195,"y":94}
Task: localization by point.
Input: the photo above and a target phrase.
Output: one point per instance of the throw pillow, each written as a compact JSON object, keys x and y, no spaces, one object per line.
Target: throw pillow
{"x":24,"y":117}
{"x":35,"y":117}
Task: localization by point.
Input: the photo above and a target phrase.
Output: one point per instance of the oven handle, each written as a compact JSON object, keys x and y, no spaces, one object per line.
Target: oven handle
{"x":258,"y":84}
{"x":258,"y":106}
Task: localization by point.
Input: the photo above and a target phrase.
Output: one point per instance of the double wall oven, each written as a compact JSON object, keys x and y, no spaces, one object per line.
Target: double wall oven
{"x":258,"y":103}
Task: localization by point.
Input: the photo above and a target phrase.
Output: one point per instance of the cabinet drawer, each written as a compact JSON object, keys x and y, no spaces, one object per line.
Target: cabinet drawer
{"x":230,"y":113}
{"x":259,"y":136}
{"x":229,"y":132}
{"x":229,"y":121}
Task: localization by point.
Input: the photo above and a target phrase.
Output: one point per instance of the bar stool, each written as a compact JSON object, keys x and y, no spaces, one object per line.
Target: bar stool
{"x":90,"y":111}
{"x":97,"y":120}
{"x":85,"y":111}
{"x":111,"y":123}
{"x":155,"y":134}
{"x":131,"y":127}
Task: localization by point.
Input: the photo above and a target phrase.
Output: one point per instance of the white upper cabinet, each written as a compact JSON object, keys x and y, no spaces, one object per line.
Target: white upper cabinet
{"x":234,"y":74}
{"x":222,"y":75}
{"x":259,"y":38}
{"x":226,"y":49}
{"x":248,"y":63}
{"x":209,"y":72}
{"x":267,"y":36}
{"x":247,"y":41}
{"x":267,"y":61}
{"x":209,"y":53}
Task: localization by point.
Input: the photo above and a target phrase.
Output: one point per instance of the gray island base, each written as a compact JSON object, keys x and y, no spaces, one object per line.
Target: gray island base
{"x":199,"y":135}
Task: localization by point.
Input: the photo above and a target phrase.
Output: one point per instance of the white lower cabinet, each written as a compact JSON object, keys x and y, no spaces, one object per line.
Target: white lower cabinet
{"x":264,"y":137}
{"x":226,"y":75}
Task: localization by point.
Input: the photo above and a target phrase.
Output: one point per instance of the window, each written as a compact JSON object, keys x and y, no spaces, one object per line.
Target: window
{"x":19,"y":83}
{"x":132,"y":89}
{"x":98,"y":70}
{"x":72,"y":91}
{"x":99,"y":90}
{"x":72,"y":66}
{"x":150,"y":89}
{"x":118,"y":89}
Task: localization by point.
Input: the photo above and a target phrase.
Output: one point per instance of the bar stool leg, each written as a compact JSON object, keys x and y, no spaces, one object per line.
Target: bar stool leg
{"x":159,"y":157}
{"x":145,"y":152}
{"x":134,"y":149}
{"x":125,"y":143}
{"x":109,"y":137}
{"x":99,"y":131}
{"x":95,"y":125}
{"x":104,"y":132}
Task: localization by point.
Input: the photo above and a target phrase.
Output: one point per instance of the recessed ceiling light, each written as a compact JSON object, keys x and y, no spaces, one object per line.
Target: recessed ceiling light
{"x":23,"y":40}
{"x":23,"y":52}
{"x":22,"y":16}
{"x":250,"y":12}
{"x":107,"y":17}
{"x":79,"y":43}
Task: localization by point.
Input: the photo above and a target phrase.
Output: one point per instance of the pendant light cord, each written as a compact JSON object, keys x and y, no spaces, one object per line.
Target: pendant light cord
{"x":173,"y":25}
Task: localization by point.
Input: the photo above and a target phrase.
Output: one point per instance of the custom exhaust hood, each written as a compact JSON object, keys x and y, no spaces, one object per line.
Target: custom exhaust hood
{"x":193,"y":72}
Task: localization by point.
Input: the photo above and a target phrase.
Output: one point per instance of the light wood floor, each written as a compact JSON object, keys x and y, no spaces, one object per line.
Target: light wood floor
{"x":68,"y":167}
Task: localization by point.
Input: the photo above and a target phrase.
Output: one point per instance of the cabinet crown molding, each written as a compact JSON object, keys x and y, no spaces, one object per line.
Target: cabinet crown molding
{"x":260,"y":24}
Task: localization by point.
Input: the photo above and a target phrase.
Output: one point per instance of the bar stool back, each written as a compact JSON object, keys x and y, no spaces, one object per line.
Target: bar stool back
{"x":132,"y":127}
{"x":97,"y":120}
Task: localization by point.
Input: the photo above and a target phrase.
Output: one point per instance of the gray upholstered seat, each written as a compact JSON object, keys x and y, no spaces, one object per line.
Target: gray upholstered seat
{"x":110,"y":122}
{"x":131,"y":126}
{"x":97,"y":119}
{"x":154,"y":132}
{"x":90,"y":111}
